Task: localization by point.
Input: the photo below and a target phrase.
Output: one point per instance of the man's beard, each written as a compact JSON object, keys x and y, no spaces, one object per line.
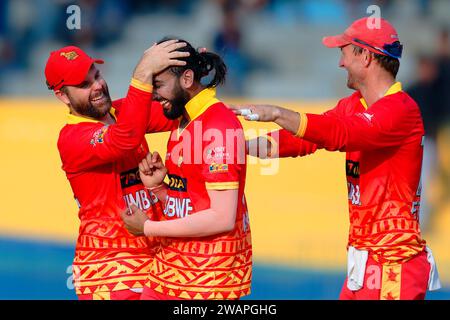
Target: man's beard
{"x":89,"y":110}
{"x":178,"y":104}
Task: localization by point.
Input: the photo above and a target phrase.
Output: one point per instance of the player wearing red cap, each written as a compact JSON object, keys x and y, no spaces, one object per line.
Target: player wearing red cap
{"x":380,"y":129}
{"x":100,"y":148}
{"x":205,"y":246}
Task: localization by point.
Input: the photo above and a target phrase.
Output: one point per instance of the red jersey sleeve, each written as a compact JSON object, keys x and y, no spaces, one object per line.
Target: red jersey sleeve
{"x":386,"y":123}
{"x":86,"y":145}
{"x":158,"y":122}
{"x":223,"y":152}
{"x":117,"y":104}
{"x":289,"y":145}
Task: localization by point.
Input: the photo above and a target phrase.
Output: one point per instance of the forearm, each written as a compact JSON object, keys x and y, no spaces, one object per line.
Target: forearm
{"x":201,"y":224}
{"x":288,"y":119}
{"x":128,"y":133}
{"x":260,"y":147}
{"x":280,"y":144}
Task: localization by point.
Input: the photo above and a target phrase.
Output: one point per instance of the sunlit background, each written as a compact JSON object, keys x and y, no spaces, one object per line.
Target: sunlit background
{"x":299,"y":216}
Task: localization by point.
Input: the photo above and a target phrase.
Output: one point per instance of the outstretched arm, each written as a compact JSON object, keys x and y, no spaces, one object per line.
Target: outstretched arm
{"x":285,"y":118}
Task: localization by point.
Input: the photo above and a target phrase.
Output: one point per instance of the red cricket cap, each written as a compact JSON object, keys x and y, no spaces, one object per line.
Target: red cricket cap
{"x":375,"y":34}
{"x":67,"y":66}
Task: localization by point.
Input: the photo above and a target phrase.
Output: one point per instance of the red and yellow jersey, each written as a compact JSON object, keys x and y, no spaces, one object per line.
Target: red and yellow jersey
{"x":101,"y":164}
{"x":384,"y":147}
{"x":208,"y":154}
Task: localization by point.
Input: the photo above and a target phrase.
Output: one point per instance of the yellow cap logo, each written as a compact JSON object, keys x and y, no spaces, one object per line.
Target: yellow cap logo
{"x":71,"y":55}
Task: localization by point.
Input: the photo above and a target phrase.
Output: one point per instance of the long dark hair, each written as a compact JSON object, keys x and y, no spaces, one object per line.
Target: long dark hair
{"x":201,"y":63}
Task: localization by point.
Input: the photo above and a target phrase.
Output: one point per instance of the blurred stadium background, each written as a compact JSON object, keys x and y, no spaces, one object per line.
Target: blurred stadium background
{"x":273,"y":50}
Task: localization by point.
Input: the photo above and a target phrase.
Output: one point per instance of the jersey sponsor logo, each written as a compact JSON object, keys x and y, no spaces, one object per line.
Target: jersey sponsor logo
{"x":134,"y":192}
{"x":217,"y":154}
{"x":178,"y":207}
{"x":368,"y":116}
{"x":352,"y":168}
{"x":71,"y":55}
{"x":98,"y":135}
{"x":141,"y":199}
{"x":177,"y":183}
{"x":130,"y":178}
{"x":216,"y":168}
{"x":365,"y":116}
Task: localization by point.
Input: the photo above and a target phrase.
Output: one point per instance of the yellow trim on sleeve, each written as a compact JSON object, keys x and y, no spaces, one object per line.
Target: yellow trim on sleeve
{"x":141,"y":85}
{"x":302,"y":127}
{"x":222,"y":185}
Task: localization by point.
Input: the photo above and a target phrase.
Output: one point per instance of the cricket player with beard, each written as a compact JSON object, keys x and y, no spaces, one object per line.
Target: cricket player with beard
{"x":100,"y":147}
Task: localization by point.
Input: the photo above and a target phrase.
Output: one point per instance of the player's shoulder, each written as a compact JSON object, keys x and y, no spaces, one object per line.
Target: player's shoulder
{"x":73,"y":134}
{"x":354,"y":97}
{"x":400,"y":101}
{"x":220,"y":116}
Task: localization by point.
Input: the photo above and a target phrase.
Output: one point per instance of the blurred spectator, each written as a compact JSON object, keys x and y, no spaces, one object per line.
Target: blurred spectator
{"x":424,"y":7}
{"x":431,"y":92}
{"x":443,"y":57}
{"x":424,"y":92}
{"x":227,"y":43}
{"x":180,"y":7}
{"x":102,"y":22}
{"x":5,"y":45}
{"x":443,"y":138}
{"x":18,"y":40}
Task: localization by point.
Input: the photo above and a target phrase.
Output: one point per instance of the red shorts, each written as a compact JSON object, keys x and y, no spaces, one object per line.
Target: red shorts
{"x":407,"y":281}
{"x":111,"y":295}
{"x":150,"y":294}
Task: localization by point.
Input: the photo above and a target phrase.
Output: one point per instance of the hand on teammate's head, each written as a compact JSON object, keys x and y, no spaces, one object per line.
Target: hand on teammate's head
{"x":158,"y":58}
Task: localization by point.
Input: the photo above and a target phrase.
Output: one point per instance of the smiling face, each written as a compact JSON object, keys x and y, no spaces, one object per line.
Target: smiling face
{"x":354,"y":64}
{"x":91,"y":98}
{"x":168,"y":91}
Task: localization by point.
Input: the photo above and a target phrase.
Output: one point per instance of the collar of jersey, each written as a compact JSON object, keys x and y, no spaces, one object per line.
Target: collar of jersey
{"x":201,"y":102}
{"x":73,"y":119}
{"x":396,"y":87}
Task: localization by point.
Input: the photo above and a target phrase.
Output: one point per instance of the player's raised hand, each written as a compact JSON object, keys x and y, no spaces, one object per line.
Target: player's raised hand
{"x":159,"y":57}
{"x":152,"y":170}
{"x":134,"y":221}
{"x":256,"y":112}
